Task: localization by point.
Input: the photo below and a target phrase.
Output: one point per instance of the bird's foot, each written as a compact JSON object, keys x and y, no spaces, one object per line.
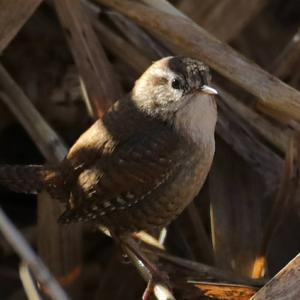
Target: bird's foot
{"x":158,"y":281}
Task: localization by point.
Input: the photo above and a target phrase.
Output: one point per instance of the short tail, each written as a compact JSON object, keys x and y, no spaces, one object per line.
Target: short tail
{"x":24,"y":178}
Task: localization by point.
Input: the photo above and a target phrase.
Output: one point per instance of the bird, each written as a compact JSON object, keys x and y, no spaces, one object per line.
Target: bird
{"x":139,"y":166}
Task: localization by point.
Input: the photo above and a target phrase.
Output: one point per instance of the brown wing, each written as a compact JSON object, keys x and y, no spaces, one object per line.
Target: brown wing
{"x":124,"y":173}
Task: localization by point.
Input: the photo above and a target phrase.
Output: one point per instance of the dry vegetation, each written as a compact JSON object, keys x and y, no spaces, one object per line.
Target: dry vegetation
{"x":63,"y":62}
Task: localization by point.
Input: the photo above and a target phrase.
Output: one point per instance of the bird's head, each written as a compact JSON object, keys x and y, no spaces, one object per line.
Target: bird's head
{"x":177,"y":89}
{"x":170,"y":83}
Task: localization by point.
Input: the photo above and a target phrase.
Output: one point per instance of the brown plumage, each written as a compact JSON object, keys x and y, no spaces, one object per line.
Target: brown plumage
{"x":141,"y":165}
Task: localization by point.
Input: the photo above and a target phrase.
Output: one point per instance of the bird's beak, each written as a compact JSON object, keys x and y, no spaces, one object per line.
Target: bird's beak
{"x":208,"y":90}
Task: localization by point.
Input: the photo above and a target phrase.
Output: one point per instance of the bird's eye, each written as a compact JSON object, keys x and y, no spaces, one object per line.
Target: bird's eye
{"x":176,"y":84}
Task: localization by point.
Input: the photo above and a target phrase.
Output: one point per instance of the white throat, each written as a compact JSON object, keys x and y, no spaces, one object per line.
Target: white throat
{"x":197,"y":119}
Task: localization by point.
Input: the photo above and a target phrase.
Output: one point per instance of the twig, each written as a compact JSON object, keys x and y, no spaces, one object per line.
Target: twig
{"x":30,"y":235}
{"x":190,"y":39}
{"x":28,"y":283}
{"x":32,"y":260}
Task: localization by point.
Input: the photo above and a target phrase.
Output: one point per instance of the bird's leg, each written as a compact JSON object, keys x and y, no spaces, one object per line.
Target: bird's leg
{"x":148,"y":270}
